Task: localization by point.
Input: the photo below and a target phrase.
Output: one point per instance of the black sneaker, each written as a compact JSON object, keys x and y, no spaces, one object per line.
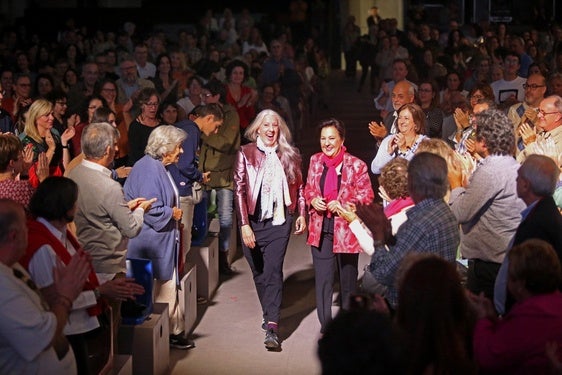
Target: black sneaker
{"x":264,"y":325}
{"x":272,"y":340}
{"x":181,"y":342}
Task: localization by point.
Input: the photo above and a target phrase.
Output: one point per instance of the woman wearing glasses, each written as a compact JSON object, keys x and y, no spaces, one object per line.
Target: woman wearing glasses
{"x":141,"y":127}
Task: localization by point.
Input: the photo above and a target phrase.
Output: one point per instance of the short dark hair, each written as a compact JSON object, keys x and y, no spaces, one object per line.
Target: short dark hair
{"x":427,"y":177}
{"x":340,"y":127}
{"x":216,"y":87}
{"x":236,"y":63}
{"x":54,"y":197}
{"x":211,"y":109}
{"x":361,"y":341}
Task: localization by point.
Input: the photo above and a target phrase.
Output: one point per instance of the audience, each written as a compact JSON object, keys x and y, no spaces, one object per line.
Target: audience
{"x":484,"y":57}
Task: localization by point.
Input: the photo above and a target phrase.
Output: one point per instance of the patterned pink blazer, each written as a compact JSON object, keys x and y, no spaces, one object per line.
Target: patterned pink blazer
{"x":355,"y":188}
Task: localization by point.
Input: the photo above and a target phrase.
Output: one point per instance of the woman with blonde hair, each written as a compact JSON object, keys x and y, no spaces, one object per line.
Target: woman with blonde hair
{"x":457,"y":166}
{"x":268,"y":188}
{"x":40,"y":134}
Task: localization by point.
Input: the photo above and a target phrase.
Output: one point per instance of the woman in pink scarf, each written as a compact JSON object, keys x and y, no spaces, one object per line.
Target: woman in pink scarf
{"x":335,"y":180}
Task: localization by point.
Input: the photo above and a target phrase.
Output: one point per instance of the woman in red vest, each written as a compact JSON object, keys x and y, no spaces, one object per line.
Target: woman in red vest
{"x":50,"y":244}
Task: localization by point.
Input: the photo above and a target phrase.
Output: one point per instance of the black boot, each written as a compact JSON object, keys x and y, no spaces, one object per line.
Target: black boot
{"x":224,"y":267}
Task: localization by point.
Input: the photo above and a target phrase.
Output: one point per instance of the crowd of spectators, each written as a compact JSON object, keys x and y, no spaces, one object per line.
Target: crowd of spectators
{"x":490,"y":94}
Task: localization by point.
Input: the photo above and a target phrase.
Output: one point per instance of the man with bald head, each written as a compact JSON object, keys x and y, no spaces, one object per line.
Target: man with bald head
{"x":536,"y":182}
{"x":402,"y":93}
{"x":399,"y":73}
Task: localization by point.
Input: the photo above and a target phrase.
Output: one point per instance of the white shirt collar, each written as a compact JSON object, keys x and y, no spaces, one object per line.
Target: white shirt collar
{"x":96,"y":166}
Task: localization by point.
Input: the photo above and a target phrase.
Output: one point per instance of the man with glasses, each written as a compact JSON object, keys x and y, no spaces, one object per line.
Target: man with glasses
{"x":130,"y":84}
{"x":509,"y":90}
{"x":524,"y":115}
{"x":85,"y":88}
{"x":21,"y":95}
{"x":549,"y":121}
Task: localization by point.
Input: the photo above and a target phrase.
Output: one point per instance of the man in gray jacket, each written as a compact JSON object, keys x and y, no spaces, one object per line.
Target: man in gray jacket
{"x":104,"y":220}
{"x":488,"y":209}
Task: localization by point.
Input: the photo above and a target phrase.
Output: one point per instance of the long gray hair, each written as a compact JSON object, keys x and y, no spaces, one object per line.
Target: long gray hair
{"x":288,"y":154}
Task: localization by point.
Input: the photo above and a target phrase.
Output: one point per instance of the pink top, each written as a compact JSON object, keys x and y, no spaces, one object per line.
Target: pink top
{"x":16,"y":190}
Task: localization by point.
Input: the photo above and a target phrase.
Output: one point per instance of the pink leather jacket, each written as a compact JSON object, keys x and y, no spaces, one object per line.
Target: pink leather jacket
{"x":248,"y":176}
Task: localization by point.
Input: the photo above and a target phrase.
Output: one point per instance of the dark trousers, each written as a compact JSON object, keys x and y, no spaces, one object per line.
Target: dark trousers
{"x":481,"y":277}
{"x":325,"y":262}
{"x":266,"y":262}
{"x":372,"y":77}
{"x":91,"y":350}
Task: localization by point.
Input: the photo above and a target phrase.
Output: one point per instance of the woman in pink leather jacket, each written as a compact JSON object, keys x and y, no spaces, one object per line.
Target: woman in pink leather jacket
{"x":268,"y":190}
{"x":336,"y":180}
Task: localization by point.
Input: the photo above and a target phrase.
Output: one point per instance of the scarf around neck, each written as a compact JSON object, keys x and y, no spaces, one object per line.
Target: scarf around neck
{"x":274,"y":189}
{"x":330,"y":191}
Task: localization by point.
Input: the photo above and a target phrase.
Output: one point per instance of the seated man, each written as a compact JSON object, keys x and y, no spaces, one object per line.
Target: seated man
{"x":431,"y":226}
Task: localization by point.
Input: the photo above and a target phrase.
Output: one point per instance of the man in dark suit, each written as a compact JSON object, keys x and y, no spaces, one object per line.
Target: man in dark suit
{"x":536,"y":182}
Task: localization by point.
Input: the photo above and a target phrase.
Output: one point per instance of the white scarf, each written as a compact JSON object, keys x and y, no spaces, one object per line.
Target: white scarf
{"x":274,"y":188}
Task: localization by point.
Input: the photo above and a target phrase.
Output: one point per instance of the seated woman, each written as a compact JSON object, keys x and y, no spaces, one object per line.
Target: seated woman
{"x":50,"y":243}
{"x":12,"y":163}
{"x":434,"y":316}
{"x":393,"y":189}
{"x":516,"y":344}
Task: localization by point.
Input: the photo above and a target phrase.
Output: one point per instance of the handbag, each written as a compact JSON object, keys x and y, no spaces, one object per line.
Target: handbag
{"x":370,"y":285}
{"x":196,"y":192}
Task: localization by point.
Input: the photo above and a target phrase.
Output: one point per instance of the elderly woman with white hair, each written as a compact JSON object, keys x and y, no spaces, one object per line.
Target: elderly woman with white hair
{"x":159,"y":236}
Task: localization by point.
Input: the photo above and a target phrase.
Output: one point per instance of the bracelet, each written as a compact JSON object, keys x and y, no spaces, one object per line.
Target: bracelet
{"x":63,"y":146}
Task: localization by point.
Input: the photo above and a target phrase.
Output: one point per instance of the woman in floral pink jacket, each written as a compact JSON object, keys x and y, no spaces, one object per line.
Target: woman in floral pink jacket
{"x":335,"y":179}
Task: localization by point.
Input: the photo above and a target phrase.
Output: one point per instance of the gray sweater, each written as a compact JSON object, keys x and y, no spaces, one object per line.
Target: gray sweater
{"x":488,"y":210}
{"x":104,"y":222}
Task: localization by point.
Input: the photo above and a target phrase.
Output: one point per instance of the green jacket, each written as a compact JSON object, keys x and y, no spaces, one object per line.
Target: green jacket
{"x":218,"y":151}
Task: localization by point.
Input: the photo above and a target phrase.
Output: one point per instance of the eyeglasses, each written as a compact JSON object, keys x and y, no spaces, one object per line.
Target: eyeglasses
{"x":24,"y":84}
{"x":532,"y":87}
{"x":206,"y":95}
{"x":151,"y":104}
{"x":543,"y":113}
